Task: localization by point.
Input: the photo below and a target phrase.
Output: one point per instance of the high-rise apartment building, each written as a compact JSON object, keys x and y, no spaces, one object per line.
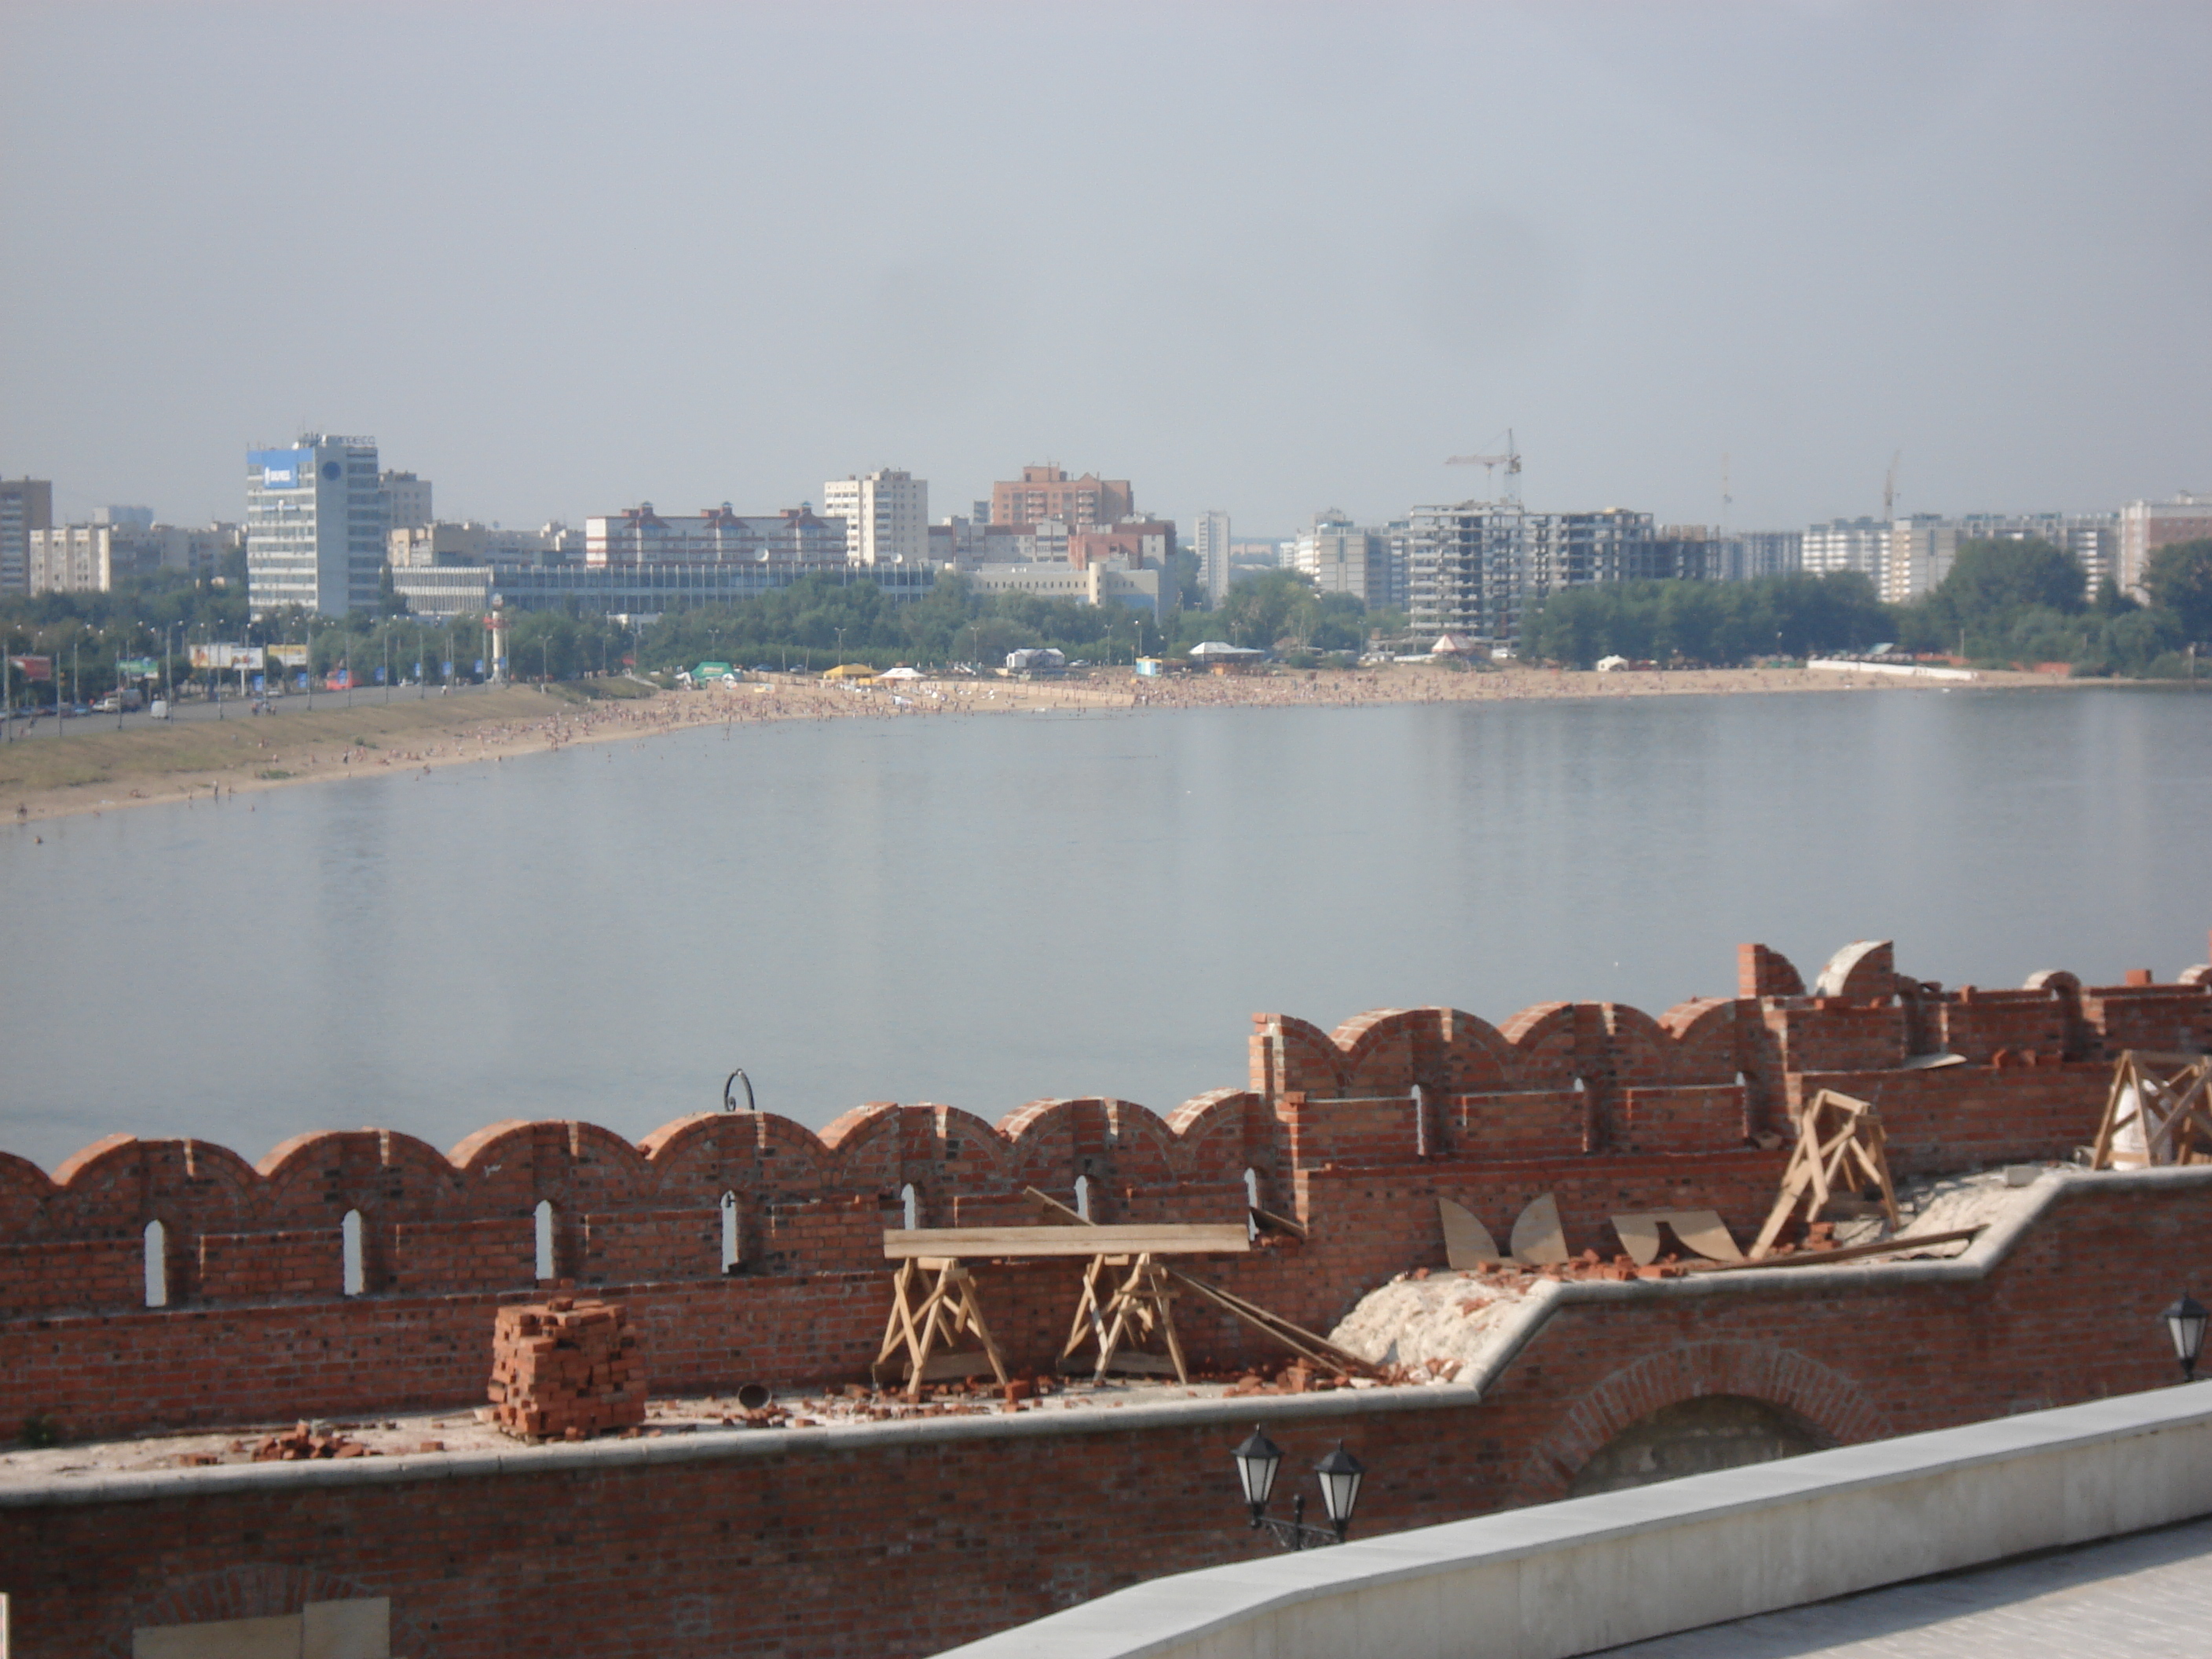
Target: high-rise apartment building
{"x":886,"y":516}
{"x":26,"y":504}
{"x":406,"y":501}
{"x":1860,"y":544}
{"x":1343,"y":557}
{"x":1468,"y":568}
{"x":314,"y":525}
{"x":1210,"y":540}
{"x":1917,"y":555}
{"x":1089,"y":502}
{"x":91,"y":558}
{"x":1477,"y":568}
{"x":2093,"y":539}
{"x":2145,"y":526}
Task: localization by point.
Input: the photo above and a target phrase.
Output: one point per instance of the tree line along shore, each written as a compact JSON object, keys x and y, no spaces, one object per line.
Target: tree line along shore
{"x":86,"y":766}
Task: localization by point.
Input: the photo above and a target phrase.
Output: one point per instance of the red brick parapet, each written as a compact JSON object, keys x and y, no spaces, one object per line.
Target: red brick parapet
{"x":1601,"y":1102}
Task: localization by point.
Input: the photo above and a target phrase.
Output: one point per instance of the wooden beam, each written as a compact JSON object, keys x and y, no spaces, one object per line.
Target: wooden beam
{"x":1848,"y":1253}
{"x":1158,"y":1238}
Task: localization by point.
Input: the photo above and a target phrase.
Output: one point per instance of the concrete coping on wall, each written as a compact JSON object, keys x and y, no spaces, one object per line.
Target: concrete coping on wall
{"x":1589,"y":1573}
{"x":706,"y":1445}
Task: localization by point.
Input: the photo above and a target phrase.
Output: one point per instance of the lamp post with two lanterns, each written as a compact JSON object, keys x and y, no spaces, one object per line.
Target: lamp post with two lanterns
{"x":1340,"y":1475}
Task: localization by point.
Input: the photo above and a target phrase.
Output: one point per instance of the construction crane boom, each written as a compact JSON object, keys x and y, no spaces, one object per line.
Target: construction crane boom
{"x":1510,"y":461}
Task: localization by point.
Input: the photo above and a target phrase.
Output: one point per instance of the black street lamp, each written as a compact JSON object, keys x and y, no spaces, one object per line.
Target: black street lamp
{"x":1340,"y":1475}
{"x":2184,"y":1324}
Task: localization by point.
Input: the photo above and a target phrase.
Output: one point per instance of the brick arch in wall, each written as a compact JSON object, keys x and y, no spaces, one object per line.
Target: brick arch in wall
{"x":1388,"y":1050}
{"x":1828,"y":1400}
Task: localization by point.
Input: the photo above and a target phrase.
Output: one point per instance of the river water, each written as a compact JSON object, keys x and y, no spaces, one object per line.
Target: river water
{"x":983,"y":911}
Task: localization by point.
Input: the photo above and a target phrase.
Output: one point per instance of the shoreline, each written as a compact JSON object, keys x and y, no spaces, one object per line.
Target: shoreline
{"x":46,"y":777}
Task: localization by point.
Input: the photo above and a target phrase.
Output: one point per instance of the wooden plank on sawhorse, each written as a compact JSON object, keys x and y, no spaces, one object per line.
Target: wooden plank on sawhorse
{"x":950,"y":1310}
{"x":1144,"y":1238}
{"x":1840,"y":1148}
{"x":2158,"y":1112}
{"x":1138,"y":1309}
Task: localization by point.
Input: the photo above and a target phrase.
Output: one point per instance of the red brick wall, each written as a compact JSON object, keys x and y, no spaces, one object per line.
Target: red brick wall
{"x":817,"y":1551}
{"x":1530,"y":1123}
{"x":633,"y":1245}
{"x":252,"y":1267}
{"x":1657,"y":1106}
{"x":1956,"y":1118}
{"x":77,"y":1273}
{"x":497,"y":1253}
{"x":1699,"y":1119}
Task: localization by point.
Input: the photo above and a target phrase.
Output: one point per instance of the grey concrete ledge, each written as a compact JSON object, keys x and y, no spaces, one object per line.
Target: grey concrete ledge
{"x":1571,"y":1577}
{"x":717,"y":1445}
{"x":711,"y":1445}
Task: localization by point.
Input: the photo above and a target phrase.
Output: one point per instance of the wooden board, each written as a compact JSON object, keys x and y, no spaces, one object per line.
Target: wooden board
{"x":1537,"y":1239}
{"x":976,"y":1243}
{"x":1468,"y":1243}
{"x":1701,"y":1230}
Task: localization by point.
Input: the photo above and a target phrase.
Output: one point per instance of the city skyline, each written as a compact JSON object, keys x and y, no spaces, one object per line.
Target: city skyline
{"x":1805,"y":239}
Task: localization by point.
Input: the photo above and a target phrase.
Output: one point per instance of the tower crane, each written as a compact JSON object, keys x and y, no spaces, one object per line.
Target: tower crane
{"x":1510,"y":461}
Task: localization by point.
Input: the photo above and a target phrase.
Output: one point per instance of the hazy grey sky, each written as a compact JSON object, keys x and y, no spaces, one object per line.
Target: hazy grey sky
{"x":1268,"y":258}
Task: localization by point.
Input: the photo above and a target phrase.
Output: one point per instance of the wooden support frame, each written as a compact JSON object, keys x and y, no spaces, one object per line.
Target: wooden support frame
{"x":1139,"y":1308}
{"x":1840,"y":1149}
{"x":2158,"y":1112}
{"x":1298,"y":1339}
{"x":949,"y":1309}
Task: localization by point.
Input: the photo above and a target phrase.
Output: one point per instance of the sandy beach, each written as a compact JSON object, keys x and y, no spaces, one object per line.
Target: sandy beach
{"x":89,"y":769}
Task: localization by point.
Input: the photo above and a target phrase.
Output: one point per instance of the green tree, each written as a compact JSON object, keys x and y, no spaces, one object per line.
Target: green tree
{"x":1257,"y":611}
{"x":2179,"y":579}
{"x":1989,"y":577}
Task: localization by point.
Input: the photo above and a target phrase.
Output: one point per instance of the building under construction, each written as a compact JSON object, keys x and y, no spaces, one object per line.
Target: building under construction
{"x":1474,"y":570}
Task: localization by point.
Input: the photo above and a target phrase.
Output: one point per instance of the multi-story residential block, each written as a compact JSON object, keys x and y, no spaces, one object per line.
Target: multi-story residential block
{"x":138,"y":517}
{"x":1475,"y":570}
{"x":1567,"y":549}
{"x":1921,"y":549}
{"x":1137,"y":543}
{"x":1210,"y":541}
{"x":1468,"y":568}
{"x":1860,"y":544}
{"x":2145,"y":526}
{"x":2093,"y":539}
{"x":1746,"y":555}
{"x":1343,"y":557}
{"x":314,"y":525}
{"x":886,"y":515}
{"x":91,"y":558}
{"x":406,"y":501}
{"x":1047,"y":492}
{"x":25,"y":505}
{"x":718,"y":536}
{"x":1917,"y":555}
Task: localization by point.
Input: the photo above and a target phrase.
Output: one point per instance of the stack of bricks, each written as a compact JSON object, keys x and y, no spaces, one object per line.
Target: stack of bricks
{"x":566,"y":1370}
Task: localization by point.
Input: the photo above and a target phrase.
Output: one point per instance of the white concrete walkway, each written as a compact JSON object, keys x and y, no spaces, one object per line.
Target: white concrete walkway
{"x":2145,"y":1596}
